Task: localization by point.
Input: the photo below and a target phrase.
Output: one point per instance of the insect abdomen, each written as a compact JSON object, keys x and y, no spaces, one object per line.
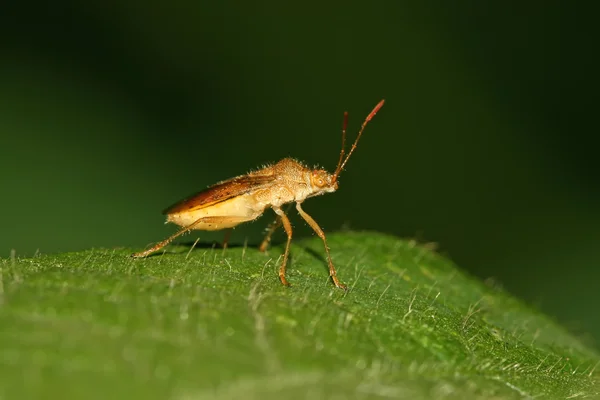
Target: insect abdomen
{"x":239,"y":209}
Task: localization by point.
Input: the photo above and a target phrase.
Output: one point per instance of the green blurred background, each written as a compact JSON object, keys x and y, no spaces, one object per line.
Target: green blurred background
{"x":111,"y":111}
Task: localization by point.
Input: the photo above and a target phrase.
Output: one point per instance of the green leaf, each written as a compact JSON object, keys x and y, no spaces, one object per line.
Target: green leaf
{"x":217,"y":324}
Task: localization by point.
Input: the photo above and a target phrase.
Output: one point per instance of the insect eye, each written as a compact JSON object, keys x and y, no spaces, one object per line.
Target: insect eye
{"x":318,"y":180}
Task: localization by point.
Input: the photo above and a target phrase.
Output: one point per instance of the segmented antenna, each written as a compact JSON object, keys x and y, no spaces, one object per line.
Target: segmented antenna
{"x":341,"y":164}
{"x":343,"y":151}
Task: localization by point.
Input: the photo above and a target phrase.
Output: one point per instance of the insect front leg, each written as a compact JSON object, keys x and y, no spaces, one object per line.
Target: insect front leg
{"x":313,"y":224}
{"x":288,"y":230}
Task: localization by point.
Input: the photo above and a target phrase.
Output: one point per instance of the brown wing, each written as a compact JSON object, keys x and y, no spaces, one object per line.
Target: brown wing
{"x":222,"y":191}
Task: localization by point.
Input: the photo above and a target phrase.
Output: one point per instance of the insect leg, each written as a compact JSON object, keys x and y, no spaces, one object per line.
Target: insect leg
{"x":313,"y":224}
{"x":214,"y":220}
{"x":288,"y":230}
{"x":271,"y":229}
{"x":226,"y":238}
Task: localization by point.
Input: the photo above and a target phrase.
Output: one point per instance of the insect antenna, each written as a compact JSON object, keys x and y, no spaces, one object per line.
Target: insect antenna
{"x":343,"y":151}
{"x":341,"y":163}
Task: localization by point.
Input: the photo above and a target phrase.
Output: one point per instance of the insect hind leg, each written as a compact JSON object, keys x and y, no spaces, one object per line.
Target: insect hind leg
{"x":207,"y":220}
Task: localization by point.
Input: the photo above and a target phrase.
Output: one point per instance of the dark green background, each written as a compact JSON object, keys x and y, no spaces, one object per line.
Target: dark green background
{"x":110,"y":111}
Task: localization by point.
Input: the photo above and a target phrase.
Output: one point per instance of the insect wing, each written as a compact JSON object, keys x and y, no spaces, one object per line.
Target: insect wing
{"x":222,"y":191}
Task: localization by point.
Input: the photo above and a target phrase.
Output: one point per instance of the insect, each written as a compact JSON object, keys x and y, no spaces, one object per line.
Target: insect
{"x":245,"y":198}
